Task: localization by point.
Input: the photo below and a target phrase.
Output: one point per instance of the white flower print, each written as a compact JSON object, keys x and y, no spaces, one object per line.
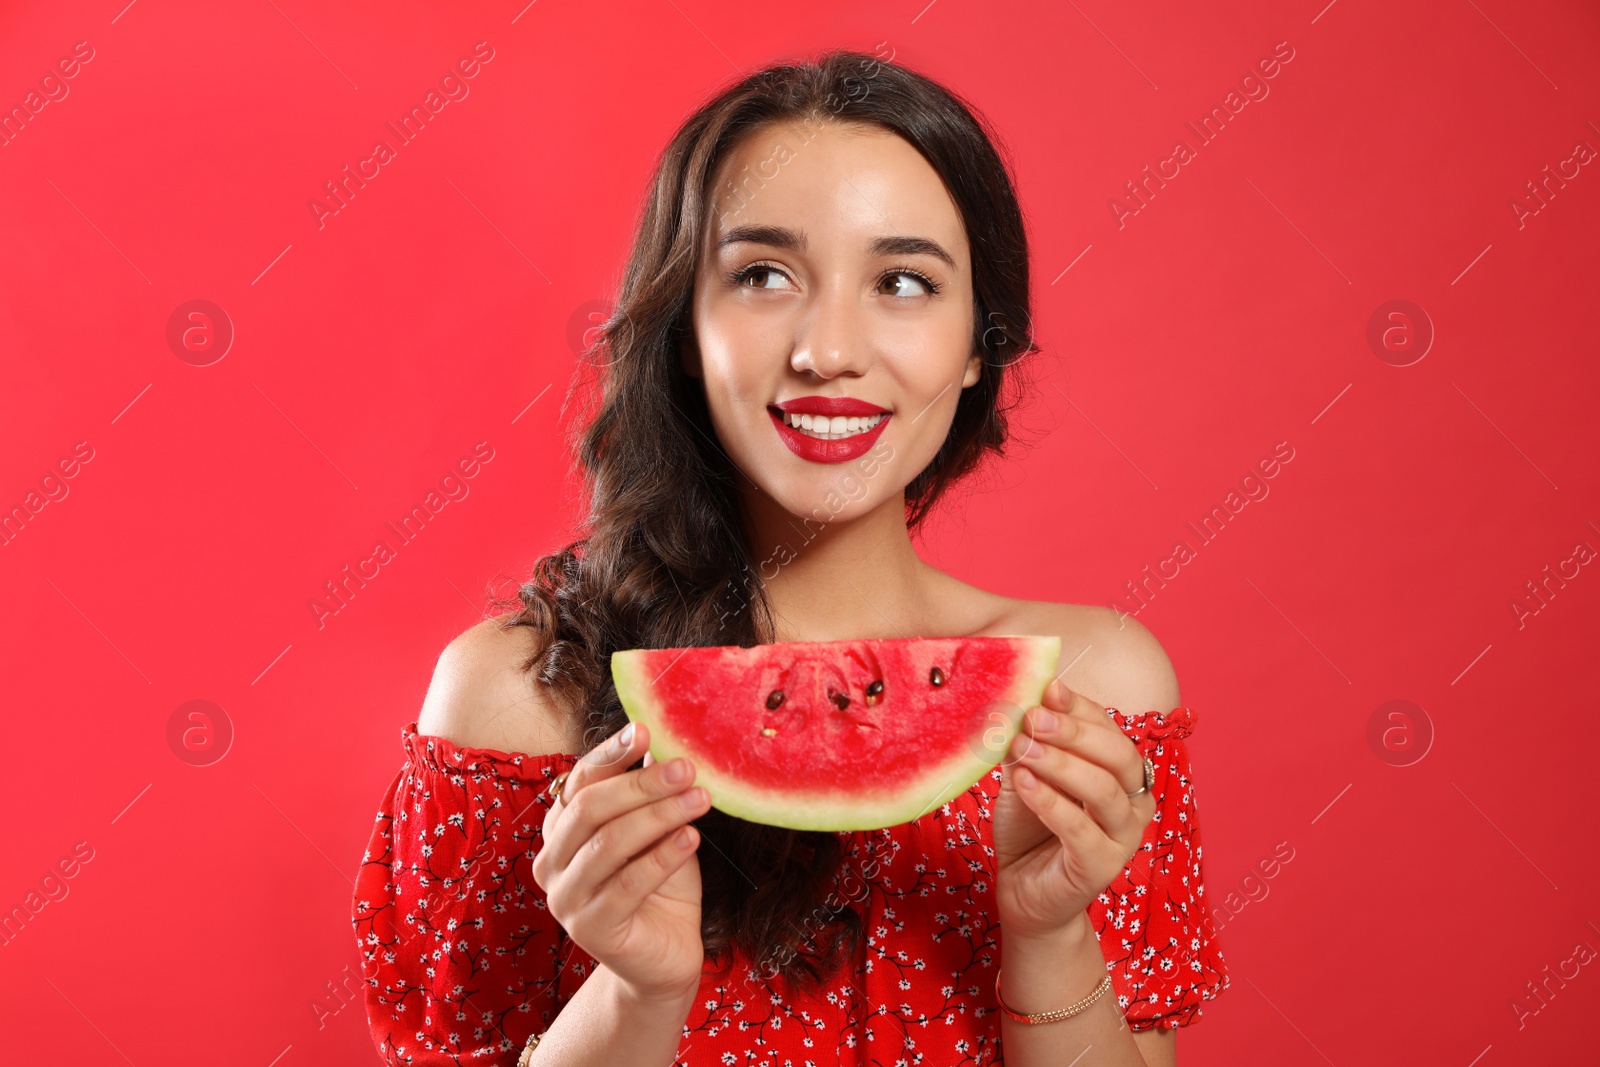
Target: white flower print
{"x":929,"y":910}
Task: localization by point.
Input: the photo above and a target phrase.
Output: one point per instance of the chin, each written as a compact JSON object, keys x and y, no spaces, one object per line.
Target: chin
{"x":828,"y":492}
{"x":832,"y":496}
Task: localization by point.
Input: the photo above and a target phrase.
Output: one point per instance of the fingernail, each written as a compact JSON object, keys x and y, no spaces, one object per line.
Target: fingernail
{"x":676,"y":771}
{"x":1046,"y":721}
{"x":625,"y":738}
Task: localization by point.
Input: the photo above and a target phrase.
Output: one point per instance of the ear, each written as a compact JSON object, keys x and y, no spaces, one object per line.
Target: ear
{"x":974,"y":371}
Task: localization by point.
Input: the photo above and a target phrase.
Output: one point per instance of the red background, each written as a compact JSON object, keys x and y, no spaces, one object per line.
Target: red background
{"x":372,"y":352}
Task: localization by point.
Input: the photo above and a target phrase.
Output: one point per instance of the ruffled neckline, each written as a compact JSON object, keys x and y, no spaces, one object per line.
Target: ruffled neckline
{"x":1155,"y":725}
{"x":441,"y":754}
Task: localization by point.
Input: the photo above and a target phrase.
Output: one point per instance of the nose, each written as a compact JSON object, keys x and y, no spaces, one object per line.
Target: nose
{"x":832,"y":338}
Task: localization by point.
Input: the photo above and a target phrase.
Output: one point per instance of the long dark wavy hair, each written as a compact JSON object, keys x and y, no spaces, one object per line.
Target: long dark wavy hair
{"x":664,"y":560}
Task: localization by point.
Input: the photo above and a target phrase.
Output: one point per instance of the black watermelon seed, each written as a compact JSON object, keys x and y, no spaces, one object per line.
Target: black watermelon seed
{"x":936,"y":676}
{"x":774,"y":699}
{"x":874,"y":691}
{"x":841,"y":700}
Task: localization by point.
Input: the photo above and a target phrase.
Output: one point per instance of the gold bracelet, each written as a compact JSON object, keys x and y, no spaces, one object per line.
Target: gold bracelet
{"x":1059,"y":1013}
{"x":527,"y":1050}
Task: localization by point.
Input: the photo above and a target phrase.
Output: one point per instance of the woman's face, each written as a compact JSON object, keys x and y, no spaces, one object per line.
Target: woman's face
{"x":833,"y":269}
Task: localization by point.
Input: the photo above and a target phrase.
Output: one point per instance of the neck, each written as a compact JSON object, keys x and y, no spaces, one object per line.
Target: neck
{"x":840,"y":580}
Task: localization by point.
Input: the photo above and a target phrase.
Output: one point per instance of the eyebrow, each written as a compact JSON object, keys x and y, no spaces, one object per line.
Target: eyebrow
{"x":784,"y":237}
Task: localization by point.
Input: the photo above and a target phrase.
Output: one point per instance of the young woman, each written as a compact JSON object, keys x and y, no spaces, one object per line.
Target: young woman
{"x":827,"y":295}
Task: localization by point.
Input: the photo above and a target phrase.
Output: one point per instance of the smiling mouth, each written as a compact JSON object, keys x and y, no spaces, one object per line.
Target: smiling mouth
{"x":837,"y":428}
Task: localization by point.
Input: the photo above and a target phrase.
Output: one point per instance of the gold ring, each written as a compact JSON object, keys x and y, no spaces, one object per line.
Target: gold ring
{"x":557,"y":784}
{"x":1149,"y":778}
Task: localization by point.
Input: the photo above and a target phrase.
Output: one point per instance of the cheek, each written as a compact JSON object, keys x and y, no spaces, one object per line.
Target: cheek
{"x":928,"y":349}
{"x":736,"y":350}
{"x":734,"y":388}
{"x":929,"y":372}
{"x":736,"y":395}
{"x":926,"y":394}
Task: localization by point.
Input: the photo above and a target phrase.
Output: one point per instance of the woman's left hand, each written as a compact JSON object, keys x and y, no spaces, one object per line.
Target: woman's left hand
{"x":1060,"y":840}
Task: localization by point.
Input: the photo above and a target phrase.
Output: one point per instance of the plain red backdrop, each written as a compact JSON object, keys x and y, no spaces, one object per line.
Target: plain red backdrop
{"x":375,"y":348}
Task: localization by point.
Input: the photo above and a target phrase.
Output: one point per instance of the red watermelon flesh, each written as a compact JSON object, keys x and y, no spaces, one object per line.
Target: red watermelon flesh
{"x":837,"y":735}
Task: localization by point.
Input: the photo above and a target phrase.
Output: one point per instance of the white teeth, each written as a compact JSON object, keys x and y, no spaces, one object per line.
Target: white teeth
{"x":832,"y":429}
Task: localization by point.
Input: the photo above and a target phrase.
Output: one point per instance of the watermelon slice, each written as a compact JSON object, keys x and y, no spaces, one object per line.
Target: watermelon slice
{"x":836,"y":735}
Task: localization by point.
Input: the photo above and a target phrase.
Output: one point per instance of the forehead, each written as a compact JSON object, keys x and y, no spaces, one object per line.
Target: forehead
{"x":837,"y":184}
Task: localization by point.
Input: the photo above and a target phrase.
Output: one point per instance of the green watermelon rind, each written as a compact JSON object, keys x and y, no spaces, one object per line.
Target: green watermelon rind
{"x":936,"y":786}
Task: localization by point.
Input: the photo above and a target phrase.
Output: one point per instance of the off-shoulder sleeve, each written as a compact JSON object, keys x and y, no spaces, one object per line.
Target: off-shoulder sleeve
{"x":1155,"y":928}
{"x":462,"y":958}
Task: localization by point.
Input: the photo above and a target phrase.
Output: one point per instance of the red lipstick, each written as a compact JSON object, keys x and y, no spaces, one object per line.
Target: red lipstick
{"x":816,"y":449}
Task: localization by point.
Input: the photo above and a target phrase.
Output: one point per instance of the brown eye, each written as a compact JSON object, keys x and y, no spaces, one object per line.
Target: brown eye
{"x":927,"y":285}
{"x":740,"y":278}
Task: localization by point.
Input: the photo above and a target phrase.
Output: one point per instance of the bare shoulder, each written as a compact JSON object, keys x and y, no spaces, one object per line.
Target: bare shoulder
{"x":480,"y":698}
{"x":1109,"y":657}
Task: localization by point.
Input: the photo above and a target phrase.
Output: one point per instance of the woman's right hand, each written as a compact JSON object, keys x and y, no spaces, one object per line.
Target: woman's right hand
{"x":614,"y":874}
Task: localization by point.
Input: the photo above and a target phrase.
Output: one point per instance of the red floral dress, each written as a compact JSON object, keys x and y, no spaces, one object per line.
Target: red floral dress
{"x":463,"y":960}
